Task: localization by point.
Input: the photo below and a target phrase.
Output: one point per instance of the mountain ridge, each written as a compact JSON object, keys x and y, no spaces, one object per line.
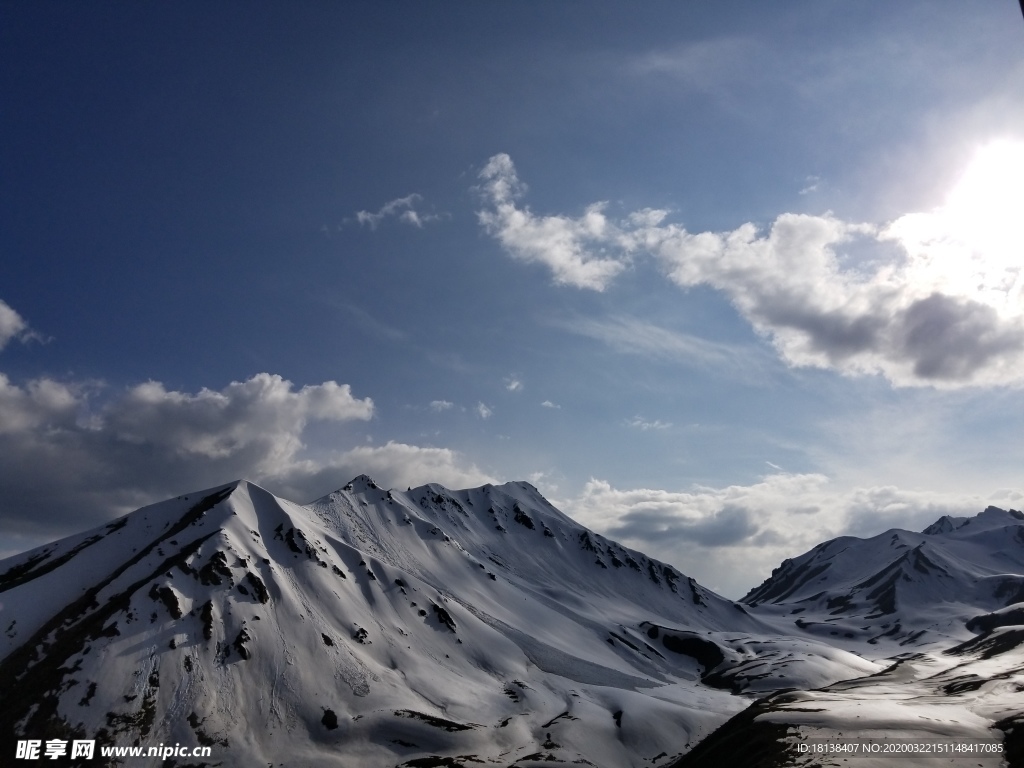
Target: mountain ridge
{"x":420,"y":627}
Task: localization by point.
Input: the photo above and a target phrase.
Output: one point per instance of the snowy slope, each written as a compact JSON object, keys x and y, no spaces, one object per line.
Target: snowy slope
{"x":900,"y":588}
{"x":376,"y":627}
{"x":968,"y":697}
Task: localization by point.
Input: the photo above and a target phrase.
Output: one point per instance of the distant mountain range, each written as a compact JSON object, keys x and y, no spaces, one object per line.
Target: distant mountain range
{"x":902,"y":585}
{"x":433,"y":627}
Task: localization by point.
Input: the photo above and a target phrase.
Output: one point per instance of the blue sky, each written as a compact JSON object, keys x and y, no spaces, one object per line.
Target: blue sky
{"x":722,"y":280}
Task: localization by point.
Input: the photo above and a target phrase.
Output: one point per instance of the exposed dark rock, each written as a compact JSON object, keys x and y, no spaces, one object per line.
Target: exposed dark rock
{"x":990,"y":644}
{"x":522,"y":518}
{"x":169,"y":599}
{"x":216,"y":568}
{"x":436,"y":722}
{"x":201,"y":736}
{"x":90,"y":691}
{"x":652,"y":572}
{"x":444,"y":617}
{"x":258,"y":587}
{"x":239,"y":644}
{"x":705,"y":652}
{"x":206,"y":616}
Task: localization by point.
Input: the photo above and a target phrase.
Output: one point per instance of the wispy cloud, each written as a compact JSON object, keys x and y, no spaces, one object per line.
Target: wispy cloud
{"x":549,"y":404}
{"x":638,"y":422}
{"x":513,"y":384}
{"x":709,"y":66}
{"x":441,"y":405}
{"x":373,"y":325}
{"x":403,"y":209}
{"x":944,"y":308}
{"x":811,"y":184}
{"x":483,"y":411}
{"x":630,"y":335}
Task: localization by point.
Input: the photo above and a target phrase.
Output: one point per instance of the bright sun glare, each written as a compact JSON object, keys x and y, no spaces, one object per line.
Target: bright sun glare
{"x":974,"y":244}
{"x":985,"y":210}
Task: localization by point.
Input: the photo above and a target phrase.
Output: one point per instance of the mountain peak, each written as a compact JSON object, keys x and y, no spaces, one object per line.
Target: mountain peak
{"x":945,"y":524}
{"x":999,"y":512}
{"x":360,"y":483}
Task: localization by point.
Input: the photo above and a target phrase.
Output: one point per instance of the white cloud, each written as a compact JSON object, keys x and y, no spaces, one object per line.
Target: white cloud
{"x":42,"y":402}
{"x":402,"y":208}
{"x":441,"y":405}
{"x":262,"y":411}
{"x":549,"y":404}
{"x":563,"y":244}
{"x":731,"y":538}
{"x":483,"y":411}
{"x":644,"y":425}
{"x":931,"y":299}
{"x":66,"y":465}
{"x":513,"y":384}
{"x":398,"y":465}
{"x":13,"y":326}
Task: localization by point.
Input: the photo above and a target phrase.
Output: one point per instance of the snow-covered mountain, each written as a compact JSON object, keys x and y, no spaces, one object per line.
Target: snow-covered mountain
{"x":913,"y":588}
{"x":437,"y":628}
{"x":946,"y":606}
{"x":376,"y":627}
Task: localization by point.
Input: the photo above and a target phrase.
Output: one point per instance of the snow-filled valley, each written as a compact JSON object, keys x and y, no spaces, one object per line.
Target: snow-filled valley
{"x":433,"y":627}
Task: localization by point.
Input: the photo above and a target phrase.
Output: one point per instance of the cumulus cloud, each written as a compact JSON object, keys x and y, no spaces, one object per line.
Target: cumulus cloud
{"x":393,"y":465}
{"x":929,"y":299}
{"x":513,"y":384}
{"x":549,"y":404}
{"x":13,"y":326}
{"x":570,"y":248}
{"x":790,"y":284}
{"x":730,"y":538}
{"x":483,"y":411}
{"x":67,"y":464}
{"x":402,"y":208}
{"x":254,"y":427}
{"x":42,"y":402}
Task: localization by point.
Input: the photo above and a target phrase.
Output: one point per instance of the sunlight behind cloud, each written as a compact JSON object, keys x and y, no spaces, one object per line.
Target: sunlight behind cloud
{"x":974,"y":244}
{"x":943,"y":309}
